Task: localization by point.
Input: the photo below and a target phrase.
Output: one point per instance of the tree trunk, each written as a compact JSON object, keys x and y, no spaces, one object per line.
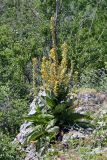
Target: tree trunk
{"x":57,"y":19}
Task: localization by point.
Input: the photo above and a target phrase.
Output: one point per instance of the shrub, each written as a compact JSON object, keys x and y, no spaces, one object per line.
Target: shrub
{"x":7,"y":150}
{"x":90,"y":77}
{"x":11,"y":117}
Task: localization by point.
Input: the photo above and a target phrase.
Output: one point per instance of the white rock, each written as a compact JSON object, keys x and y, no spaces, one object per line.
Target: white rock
{"x":26,"y":128}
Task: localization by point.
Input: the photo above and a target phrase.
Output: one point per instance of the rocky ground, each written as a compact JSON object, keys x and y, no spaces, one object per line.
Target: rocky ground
{"x":89,"y":143}
{"x":79,"y":143}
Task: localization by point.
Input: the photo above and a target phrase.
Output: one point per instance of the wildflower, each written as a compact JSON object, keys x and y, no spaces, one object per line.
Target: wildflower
{"x":54,"y":73}
{"x":34,"y":61}
{"x":53,"y":54}
{"x":56,"y":87}
{"x":43,"y":68}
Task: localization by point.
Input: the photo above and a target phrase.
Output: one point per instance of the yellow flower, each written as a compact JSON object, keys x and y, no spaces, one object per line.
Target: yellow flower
{"x":43,"y":68}
{"x":55,"y":73}
{"x":53,"y":54}
{"x":64,"y":49}
{"x":56,"y":87}
{"x":34,"y":61}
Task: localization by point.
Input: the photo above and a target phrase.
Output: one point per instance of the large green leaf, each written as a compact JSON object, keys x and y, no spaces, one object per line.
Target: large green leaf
{"x":39,"y":118}
{"x":50,"y":102}
{"x":36,"y":135}
{"x":54,"y":129}
{"x":59,"y":109}
{"x":51,"y":124}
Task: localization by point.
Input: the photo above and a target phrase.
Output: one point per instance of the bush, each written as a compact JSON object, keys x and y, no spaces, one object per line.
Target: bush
{"x":11,"y":117}
{"x":96,"y":79}
{"x":7,"y":150}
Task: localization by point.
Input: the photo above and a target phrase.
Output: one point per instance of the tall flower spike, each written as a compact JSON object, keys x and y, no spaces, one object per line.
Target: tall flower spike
{"x":53,"y":31}
{"x":56,"y":88}
{"x":53,"y":54}
{"x":64,"y":49}
{"x":63,"y":67}
{"x":54,"y":73}
{"x":43,"y":68}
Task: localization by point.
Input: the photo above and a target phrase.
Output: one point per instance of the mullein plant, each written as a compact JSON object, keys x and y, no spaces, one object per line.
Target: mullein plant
{"x":55,"y":74}
{"x":58,"y":114}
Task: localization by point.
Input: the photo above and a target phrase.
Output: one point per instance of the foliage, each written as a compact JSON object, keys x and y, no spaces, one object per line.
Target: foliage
{"x":7,"y":150}
{"x":89,"y":78}
{"x":24,"y":30}
{"x":92,"y":146}
{"x":25,"y":34}
{"x":58,"y":112}
{"x":87,"y":36}
{"x":11,"y":117}
{"x":50,"y":122}
{"x":44,"y":126}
